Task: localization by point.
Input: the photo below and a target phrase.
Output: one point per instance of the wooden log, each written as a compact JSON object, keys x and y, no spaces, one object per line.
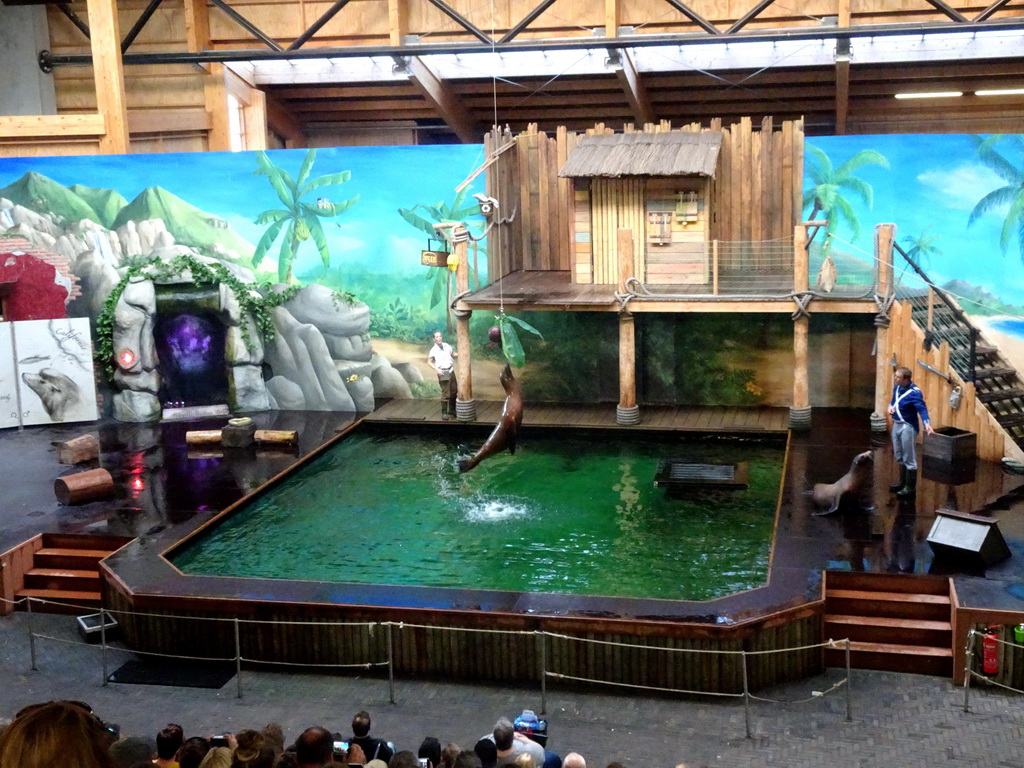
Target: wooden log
{"x":78,"y":449}
{"x":277,"y":436}
{"x":83,"y":486}
{"x":203,"y":437}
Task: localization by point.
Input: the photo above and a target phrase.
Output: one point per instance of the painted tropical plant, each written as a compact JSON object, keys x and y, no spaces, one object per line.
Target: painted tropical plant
{"x":299,"y":219}
{"x":423,"y":217}
{"x":922,"y":248}
{"x":828,"y":184}
{"x":1010,"y":195}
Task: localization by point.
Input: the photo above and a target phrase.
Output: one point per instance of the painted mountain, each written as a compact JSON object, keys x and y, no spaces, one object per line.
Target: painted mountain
{"x":189,"y":225}
{"x":107,"y":203}
{"x":43,"y":195}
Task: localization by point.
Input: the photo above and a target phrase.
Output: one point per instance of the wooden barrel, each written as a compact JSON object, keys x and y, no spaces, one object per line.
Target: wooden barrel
{"x":83,"y":486}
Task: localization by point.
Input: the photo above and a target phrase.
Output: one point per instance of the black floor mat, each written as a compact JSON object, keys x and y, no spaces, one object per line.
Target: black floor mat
{"x":177,"y":673}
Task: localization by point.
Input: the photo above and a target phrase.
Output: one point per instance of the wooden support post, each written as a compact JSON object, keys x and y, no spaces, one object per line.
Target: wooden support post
{"x":216,"y":96}
{"x":883,"y":373}
{"x":714,"y":267}
{"x":108,"y":73}
{"x":465,"y":407}
{"x":627,"y":412}
{"x":800,"y":410}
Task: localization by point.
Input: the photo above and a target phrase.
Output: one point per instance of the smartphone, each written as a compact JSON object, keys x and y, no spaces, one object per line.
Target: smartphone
{"x":340,"y":749}
{"x":219,"y":741}
{"x":424,"y":762}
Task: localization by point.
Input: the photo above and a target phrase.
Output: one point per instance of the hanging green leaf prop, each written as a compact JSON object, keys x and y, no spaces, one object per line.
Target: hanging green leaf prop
{"x":510,"y":343}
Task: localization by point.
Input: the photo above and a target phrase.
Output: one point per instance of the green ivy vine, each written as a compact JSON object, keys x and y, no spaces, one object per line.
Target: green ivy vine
{"x":256,"y":301}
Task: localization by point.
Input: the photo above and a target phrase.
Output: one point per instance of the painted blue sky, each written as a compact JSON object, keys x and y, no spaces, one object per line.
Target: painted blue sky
{"x":371,"y":234}
{"x":934,"y":181}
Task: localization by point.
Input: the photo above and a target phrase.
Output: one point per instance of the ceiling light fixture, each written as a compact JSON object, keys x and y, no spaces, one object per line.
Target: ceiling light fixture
{"x":1000,"y":92}
{"x":930,"y":95}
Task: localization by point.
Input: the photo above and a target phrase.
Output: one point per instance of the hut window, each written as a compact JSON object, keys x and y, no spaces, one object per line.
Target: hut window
{"x":659,"y":227}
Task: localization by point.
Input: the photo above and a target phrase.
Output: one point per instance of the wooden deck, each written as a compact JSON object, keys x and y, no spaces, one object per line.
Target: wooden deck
{"x":669,"y":418}
{"x":755,"y":292}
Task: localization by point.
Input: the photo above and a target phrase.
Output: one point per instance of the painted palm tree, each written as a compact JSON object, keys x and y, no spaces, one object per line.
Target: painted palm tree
{"x":1011,"y":195}
{"x":299,"y":219}
{"x":825,"y":196}
{"x":922,"y":248}
{"x":456,"y":211}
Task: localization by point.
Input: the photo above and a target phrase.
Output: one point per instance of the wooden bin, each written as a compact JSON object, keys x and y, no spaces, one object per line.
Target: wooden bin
{"x":951,"y":445}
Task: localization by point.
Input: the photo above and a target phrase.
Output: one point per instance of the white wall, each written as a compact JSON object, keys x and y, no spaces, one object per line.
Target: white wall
{"x":24,"y":88}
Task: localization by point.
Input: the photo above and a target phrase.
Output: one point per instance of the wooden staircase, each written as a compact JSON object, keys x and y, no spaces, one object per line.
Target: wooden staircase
{"x":895,"y":622}
{"x":66,"y":570}
{"x":997,"y":383}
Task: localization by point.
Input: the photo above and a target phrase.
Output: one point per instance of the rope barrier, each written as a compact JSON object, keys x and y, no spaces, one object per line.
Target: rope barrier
{"x":641,"y":687}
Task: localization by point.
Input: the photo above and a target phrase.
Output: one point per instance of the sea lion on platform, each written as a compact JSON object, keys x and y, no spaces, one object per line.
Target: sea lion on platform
{"x":850,"y":485}
{"x":506,"y":432}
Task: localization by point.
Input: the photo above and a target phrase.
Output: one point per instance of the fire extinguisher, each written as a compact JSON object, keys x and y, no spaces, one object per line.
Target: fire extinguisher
{"x":990,"y":651}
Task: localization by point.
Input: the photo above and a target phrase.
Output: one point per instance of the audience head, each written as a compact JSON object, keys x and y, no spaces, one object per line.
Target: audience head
{"x":449,"y":753}
{"x":169,"y":741}
{"x":132,"y":750}
{"x":361,"y":724}
{"x":404,"y":759}
{"x":192,"y":752}
{"x":472,"y":759}
{"x":486,"y":752}
{"x":63,"y":733}
{"x":273,"y":733}
{"x":378,"y":763}
{"x":574,"y":760}
{"x":431,"y":749}
{"x":217,"y":757}
{"x":315,"y":746}
{"x":525,"y":760}
{"x":504,"y":733}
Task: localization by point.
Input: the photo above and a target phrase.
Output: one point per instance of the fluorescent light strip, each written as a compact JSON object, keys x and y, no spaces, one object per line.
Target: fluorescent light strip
{"x":930,"y":95}
{"x":1000,"y":92}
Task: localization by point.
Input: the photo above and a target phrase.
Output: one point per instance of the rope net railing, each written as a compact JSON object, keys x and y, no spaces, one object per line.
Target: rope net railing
{"x":377,"y":642}
{"x":752,"y":270}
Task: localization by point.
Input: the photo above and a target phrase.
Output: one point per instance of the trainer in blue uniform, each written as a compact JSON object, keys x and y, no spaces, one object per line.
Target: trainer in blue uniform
{"x":906,"y":406}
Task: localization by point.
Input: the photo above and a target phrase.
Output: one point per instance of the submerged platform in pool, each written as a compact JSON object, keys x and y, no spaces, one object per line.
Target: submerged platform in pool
{"x":579,"y":516}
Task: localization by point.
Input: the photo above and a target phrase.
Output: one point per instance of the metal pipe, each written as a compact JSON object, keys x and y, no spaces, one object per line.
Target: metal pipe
{"x":991,"y":10}
{"x":953,"y":13}
{"x":391,"y":665}
{"x":849,"y":693}
{"x":527,"y":20}
{"x":462,"y":21}
{"x":238,"y":661}
{"x":746,"y":696}
{"x":66,"y":10}
{"x":695,"y":17}
{"x":247,"y":25}
{"x":31,"y":637}
{"x":749,"y":16}
{"x":143,"y":19}
{"x":329,"y":14}
{"x":564,"y":44}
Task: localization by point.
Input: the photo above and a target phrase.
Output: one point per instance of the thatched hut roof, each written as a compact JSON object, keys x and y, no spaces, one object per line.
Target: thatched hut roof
{"x":679,"y":153}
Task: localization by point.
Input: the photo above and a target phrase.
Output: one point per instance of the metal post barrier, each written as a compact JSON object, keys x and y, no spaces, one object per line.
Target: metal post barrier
{"x":968,"y":669}
{"x":746,"y":695}
{"x":391,"y":665}
{"x":543,"y":674}
{"x":849,"y":695}
{"x":238,"y":662}
{"x":31,"y":637}
{"x":103,"y":642}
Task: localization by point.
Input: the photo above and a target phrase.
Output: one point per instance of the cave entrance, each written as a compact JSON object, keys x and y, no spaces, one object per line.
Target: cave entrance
{"x":190,"y":337}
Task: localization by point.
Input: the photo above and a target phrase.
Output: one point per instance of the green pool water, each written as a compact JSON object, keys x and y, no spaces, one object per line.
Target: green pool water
{"x":579,"y":516}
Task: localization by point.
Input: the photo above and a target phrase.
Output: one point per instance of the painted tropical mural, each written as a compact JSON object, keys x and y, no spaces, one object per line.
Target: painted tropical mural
{"x":331,"y":239}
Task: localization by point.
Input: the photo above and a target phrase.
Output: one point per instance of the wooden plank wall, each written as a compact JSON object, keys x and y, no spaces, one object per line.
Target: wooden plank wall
{"x":616,"y":204}
{"x":905,"y":340}
{"x":428,"y":645}
{"x":756,"y":192}
{"x":14,"y":564}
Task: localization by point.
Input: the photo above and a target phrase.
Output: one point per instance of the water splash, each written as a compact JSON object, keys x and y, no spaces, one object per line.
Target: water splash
{"x":490,"y":510}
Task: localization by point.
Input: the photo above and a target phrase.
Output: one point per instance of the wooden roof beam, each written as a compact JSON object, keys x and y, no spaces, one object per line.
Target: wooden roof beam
{"x":439,"y":94}
{"x":632,"y":85}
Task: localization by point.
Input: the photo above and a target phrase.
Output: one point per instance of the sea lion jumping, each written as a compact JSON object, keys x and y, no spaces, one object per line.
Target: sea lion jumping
{"x":850,"y":485}
{"x":506,"y":432}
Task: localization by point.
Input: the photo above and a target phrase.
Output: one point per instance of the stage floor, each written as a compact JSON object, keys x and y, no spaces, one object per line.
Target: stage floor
{"x":164,"y":492}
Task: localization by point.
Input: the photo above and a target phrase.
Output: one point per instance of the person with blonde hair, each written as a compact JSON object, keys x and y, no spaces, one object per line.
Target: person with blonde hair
{"x":64,"y":733}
